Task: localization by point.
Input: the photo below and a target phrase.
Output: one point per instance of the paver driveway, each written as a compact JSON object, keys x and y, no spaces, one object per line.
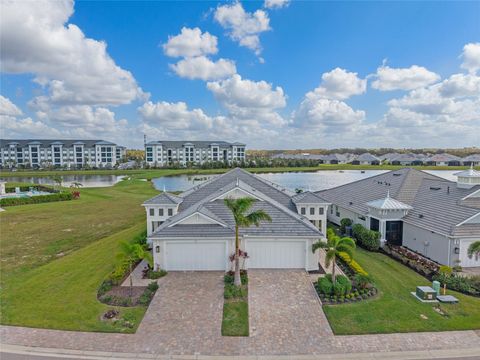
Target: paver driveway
{"x":285,"y":314}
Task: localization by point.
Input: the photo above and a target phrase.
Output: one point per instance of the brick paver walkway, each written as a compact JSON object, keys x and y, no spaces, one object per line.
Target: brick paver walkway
{"x":185,"y":318}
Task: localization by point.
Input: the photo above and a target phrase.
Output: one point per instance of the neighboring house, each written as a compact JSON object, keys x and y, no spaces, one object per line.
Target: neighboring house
{"x":408,"y":159}
{"x":366,"y":159}
{"x":164,"y":153}
{"x":336,"y":159}
{"x":471,"y":160}
{"x":425,"y":213}
{"x":59,"y":153}
{"x":444,"y":160}
{"x":303,"y":156}
{"x":196,"y":231}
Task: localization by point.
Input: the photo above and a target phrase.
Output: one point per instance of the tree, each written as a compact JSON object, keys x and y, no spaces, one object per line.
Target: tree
{"x":130,"y":253}
{"x":239,"y":208}
{"x":57,"y":179}
{"x":76,"y":185}
{"x":335,"y":245}
{"x":474,"y":250}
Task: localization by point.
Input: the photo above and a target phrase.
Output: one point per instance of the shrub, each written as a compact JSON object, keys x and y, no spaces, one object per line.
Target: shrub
{"x":153,"y":286}
{"x":459,"y":283}
{"x":362,"y":281}
{"x":445,"y":270}
{"x":325,"y":285}
{"x":367,"y":239}
{"x":151,"y":274}
{"x":352,"y":264}
{"x":342,"y":285}
{"x":61,"y":196}
{"x":229,"y":277}
{"x":344,"y":223}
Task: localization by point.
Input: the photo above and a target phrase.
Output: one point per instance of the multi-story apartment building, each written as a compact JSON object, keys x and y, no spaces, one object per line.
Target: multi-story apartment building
{"x":164,"y":153}
{"x":59,"y":153}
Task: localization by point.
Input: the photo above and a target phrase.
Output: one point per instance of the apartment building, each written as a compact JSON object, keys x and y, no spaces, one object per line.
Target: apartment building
{"x":40,"y":153}
{"x":164,"y":153}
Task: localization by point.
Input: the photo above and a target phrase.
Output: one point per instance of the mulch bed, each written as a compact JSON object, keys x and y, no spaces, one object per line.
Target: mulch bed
{"x":120,"y":295}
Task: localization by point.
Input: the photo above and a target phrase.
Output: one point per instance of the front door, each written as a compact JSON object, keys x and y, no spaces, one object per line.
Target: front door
{"x":394,"y":232}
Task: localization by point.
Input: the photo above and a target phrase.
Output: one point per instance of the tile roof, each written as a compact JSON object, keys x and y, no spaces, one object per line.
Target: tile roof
{"x":308,"y":197}
{"x":164,"y":199}
{"x":46,"y":142}
{"x":388,"y":203}
{"x":177,"y":144}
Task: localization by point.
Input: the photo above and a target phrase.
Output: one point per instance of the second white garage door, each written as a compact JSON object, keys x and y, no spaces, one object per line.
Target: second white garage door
{"x":195,"y":255}
{"x":276,"y":254}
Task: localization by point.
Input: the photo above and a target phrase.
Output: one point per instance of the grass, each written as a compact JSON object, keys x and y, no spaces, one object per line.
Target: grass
{"x":152,"y":173}
{"x":62,"y":294}
{"x":395,"y":309}
{"x":33,"y":235}
{"x":235,"y":308}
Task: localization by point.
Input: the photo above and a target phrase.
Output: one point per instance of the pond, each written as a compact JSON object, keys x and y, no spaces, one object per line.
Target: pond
{"x":314,"y":181}
{"x":67,"y":180}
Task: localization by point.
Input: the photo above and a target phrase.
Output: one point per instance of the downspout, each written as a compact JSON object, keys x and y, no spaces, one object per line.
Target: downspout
{"x":449,"y":250}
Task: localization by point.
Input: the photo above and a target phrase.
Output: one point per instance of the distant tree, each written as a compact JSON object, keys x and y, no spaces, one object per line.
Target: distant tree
{"x":474,"y":250}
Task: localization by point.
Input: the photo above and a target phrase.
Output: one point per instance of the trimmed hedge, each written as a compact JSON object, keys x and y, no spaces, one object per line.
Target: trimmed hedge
{"x":11,"y":189}
{"x":352,"y":264}
{"x":13,"y":201}
{"x":366,"y":238}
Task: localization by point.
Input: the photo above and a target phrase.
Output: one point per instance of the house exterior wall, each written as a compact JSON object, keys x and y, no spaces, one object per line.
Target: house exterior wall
{"x":319,"y":216}
{"x":437,"y":247}
{"x":345,"y":213}
{"x":153,"y":221}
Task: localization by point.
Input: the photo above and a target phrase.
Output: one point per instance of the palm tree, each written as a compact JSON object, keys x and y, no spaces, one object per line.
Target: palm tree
{"x":130,"y":253}
{"x":474,"y":250}
{"x":76,"y":185}
{"x":335,"y":245}
{"x":57,"y":180}
{"x":239,"y":208}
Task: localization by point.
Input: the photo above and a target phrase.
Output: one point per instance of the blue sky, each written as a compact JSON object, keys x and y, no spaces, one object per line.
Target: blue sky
{"x":394,"y":73}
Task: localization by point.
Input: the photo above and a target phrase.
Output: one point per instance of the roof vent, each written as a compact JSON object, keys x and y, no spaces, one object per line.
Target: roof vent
{"x":397,"y":174}
{"x":435,"y":187}
{"x":350,"y":202}
{"x":420,"y":216}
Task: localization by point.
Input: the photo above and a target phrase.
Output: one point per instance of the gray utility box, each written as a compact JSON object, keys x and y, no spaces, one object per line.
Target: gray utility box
{"x":426,"y":293}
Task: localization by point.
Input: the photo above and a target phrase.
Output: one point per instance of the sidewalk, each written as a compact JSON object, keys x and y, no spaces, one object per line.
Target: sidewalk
{"x":42,"y":353}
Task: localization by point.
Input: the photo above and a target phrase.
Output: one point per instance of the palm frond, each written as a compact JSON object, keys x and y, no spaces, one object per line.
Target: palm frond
{"x":257,"y":216}
{"x":319,"y":245}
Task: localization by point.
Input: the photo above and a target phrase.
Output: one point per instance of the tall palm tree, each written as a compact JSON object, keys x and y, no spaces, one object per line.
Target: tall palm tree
{"x":239,"y":208}
{"x":335,"y":245}
{"x":130,"y":253}
{"x":474,"y":250}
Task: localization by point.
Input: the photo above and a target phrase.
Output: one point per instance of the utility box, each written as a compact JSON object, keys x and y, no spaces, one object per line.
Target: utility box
{"x":426,"y":293}
{"x":436,"y":287}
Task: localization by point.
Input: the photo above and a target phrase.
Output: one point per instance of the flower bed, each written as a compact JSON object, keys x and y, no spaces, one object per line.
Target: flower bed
{"x":413,"y":260}
{"x":345,"y":290}
{"x":126,"y":295}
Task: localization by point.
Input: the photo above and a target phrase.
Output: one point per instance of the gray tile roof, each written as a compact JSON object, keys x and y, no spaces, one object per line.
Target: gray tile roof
{"x":367,"y":157}
{"x":308,"y":197}
{"x":164,"y":199}
{"x":194,"y":230}
{"x":473,"y":157}
{"x":402,"y":184}
{"x":443,"y":157}
{"x":46,"y":142}
{"x":438,"y":207}
{"x":274,"y":200}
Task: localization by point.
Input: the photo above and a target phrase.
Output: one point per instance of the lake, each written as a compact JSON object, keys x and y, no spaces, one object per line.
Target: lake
{"x":67,"y":180}
{"x":314,"y":181}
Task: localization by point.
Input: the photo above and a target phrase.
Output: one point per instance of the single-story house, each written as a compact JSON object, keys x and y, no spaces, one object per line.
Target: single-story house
{"x":366,"y":159}
{"x":444,"y":160}
{"x":196,"y":231}
{"x":425,"y":213}
{"x":408,"y":159}
{"x":473,"y":159}
{"x":336,"y":159}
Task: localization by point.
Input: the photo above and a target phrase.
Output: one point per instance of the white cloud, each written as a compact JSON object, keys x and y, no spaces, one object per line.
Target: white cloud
{"x":243,"y":26}
{"x":190,"y":43}
{"x":460,"y":85}
{"x":203,"y":68}
{"x":73,"y":69}
{"x":247,"y":100}
{"x":340,"y":84}
{"x":8,"y":108}
{"x":414,"y":77}
{"x":471,"y":57}
{"x":275,"y":4}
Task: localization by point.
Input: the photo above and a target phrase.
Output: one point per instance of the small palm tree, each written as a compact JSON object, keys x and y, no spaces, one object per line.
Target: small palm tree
{"x":239,"y":208}
{"x":57,"y":179}
{"x":130,"y":253}
{"x":335,"y":245}
{"x":76,"y":185}
{"x":474,"y":250}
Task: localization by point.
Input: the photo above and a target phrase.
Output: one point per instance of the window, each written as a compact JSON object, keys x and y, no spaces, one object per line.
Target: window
{"x":331,"y":210}
{"x":320,"y":210}
{"x":303,"y":211}
{"x":149,"y":154}
{"x":170,"y":212}
{"x":374,"y":224}
{"x":152,"y":212}
{"x":312,"y":211}
{"x":189,"y":157}
{"x":337,"y":213}
{"x":106,"y":154}
{"x":160,"y":212}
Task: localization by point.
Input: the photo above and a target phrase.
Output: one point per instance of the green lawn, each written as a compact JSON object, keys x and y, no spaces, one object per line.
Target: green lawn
{"x":32,"y":235}
{"x":235,"y":318}
{"x":395,"y":309}
{"x":152,"y":173}
{"x":62,"y":294}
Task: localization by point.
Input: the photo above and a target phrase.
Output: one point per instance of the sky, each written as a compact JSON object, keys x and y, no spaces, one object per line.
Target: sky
{"x":274,"y":74}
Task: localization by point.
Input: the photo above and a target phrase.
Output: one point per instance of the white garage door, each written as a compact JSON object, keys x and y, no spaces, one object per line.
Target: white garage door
{"x":192,"y":255}
{"x":465,"y":260}
{"x":276,"y":254}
